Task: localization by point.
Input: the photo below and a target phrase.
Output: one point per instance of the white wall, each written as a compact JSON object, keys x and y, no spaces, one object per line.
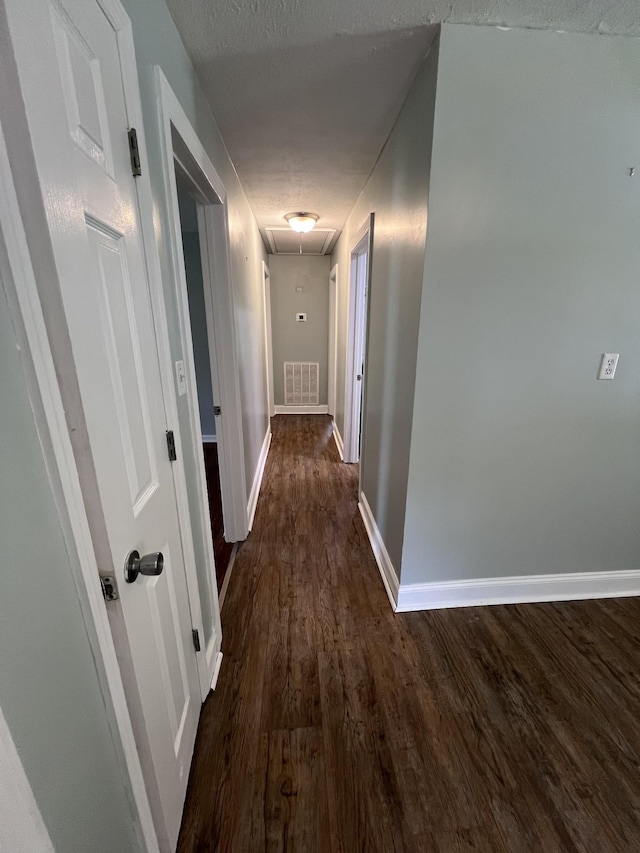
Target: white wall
{"x":293,"y":341}
{"x":397,"y":192}
{"x":521,"y":461}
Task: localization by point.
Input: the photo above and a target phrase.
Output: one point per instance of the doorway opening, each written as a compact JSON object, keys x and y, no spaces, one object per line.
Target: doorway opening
{"x":207,"y":402}
{"x":355,"y":386}
{"x":333,"y":340}
{"x":185,"y":160}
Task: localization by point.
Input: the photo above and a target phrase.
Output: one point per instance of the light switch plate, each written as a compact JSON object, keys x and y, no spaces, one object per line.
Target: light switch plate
{"x":181,"y":378}
{"x":608,"y":365}
{"x":301,"y":318}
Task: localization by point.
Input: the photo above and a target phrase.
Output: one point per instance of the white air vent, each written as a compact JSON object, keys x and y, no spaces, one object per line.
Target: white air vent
{"x":284,"y":241}
{"x":301,"y":383}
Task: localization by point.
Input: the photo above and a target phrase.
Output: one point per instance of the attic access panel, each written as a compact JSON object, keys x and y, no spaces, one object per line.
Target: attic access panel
{"x":284,"y":241}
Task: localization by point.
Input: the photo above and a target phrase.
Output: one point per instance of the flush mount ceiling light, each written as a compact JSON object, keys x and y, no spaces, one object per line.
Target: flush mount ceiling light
{"x":301,"y":222}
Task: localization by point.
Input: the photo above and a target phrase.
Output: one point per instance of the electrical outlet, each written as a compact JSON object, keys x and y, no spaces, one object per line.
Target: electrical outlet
{"x":608,"y":365}
{"x":181,"y":378}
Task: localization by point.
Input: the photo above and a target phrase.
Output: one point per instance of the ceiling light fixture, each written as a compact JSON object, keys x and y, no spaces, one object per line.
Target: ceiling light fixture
{"x":301,"y":222}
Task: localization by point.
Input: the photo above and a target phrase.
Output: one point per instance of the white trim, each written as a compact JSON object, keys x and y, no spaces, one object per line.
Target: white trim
{"x":257,"y":480}
{"x":333,"y":339}
{"x":301,"y":410}
{"x":266,"y":279}
{"x":338,"y":440}
{"x":181,"y":149}
{"x":523,"y":589}
{"x":180,"y":144}
{"x":44,"y":391}
{"x":216,"y":670}
{"x":209,"y":439}
{"x":21,"y":824}
{"x":387,"y":571}
{"x":357,"y":342}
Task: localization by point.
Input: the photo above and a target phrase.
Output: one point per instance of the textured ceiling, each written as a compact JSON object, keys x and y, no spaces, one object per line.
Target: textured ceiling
{"x":305,"y":92}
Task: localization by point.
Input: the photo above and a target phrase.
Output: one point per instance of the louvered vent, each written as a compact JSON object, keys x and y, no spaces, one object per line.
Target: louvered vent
{"x":301,"y":383}
{"x":284,"y":241}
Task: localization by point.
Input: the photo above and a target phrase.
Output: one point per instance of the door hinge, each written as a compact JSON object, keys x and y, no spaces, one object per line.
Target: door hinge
{"x":171,"y":446}
{"x":134,"y":153}
{"x":196,"y":639}
{"x":217,"y":411}
{"x":109,"y":588}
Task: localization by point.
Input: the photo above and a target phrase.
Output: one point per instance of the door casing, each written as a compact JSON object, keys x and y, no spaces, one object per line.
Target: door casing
{"x":182,"y":148}
{"x":355,"y":396}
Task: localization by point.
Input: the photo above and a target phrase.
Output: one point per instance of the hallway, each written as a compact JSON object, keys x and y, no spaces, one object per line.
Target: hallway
{"x":339,"y":726}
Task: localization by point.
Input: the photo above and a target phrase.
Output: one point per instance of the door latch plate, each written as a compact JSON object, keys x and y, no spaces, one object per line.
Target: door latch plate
{"x":109,"y":588}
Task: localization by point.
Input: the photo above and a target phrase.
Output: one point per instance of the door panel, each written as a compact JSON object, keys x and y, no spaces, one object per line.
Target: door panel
{"x":73,"y":86}
{"x":121,"y":343}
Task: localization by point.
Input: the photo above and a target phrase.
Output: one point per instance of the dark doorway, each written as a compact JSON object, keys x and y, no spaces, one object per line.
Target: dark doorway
{"x":206,"y":403}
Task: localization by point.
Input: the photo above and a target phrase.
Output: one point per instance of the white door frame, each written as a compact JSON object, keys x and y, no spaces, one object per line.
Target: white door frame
{"x":356,"y":343}
{"x":266,"y":277}
{"x":46,"y":399}
{"x":181,"y":147}
{"x":333,"y":339}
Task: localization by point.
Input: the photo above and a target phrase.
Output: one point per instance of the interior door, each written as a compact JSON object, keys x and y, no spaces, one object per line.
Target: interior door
{"x":75,"y":63}
{"x":361,"y":283}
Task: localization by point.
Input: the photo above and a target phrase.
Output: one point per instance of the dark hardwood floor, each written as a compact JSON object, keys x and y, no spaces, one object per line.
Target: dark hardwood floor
{"x":221,"y":548}
{"x":339,"y":726}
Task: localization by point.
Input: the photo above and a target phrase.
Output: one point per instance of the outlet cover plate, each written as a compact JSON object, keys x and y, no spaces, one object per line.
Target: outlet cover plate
{"x":608,"y":365}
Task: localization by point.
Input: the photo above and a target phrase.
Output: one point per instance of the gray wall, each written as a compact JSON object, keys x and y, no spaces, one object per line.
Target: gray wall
{"x":521,"y":461}
{"x":398,"y":193}
{"x":49,"y":689}
{"x":294,"y":341}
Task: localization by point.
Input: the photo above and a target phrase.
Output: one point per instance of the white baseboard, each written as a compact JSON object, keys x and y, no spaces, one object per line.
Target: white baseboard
{"x":338,"y":440}
{"x":518,"y":590}
{"x":387,"y":572}
{"x":257,"y":480}
{"x":210,"y":439}
{"x":216,"y":671}
{"x":301,"y":410}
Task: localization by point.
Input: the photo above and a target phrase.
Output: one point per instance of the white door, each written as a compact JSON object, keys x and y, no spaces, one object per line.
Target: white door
{"x":75,"y":62}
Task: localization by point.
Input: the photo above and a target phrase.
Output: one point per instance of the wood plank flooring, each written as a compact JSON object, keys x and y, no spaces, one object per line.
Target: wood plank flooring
{"x":339,"y":727}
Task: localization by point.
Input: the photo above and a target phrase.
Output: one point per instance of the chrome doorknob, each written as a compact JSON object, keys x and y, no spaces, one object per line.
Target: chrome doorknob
{"x":149,"y":565}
